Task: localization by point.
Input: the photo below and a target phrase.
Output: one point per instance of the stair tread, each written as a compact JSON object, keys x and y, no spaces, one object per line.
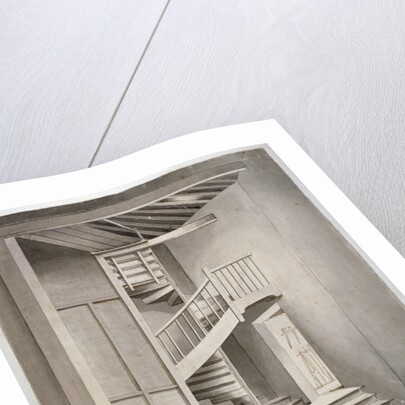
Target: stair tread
{"x":148,"y":288}
{"x":158,"y":294}
{"x":213,"y":374}
{"x":296,"y":401}
{"x":215,"y":383}
{"x":278,"y":399}
{"x":205,"y":370}
{"x":229,"y":396}
{"x":217,"y":391}
{"x":334,"y":396}
{"x":359,"y":399}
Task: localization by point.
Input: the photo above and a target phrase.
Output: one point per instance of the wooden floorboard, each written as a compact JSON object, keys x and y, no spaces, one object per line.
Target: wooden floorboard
{"x":63,"y":69}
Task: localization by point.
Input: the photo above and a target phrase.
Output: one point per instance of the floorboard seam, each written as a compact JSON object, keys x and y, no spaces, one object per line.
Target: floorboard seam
{"x":129,"y":84}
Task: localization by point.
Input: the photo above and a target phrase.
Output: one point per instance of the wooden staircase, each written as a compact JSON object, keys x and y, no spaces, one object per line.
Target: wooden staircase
{"x":193,"y":336}
{"x":200,"y":327}
{"x":143,"y":276}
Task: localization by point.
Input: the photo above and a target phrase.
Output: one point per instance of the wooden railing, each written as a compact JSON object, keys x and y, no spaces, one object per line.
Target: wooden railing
{"x":189,"y":326}
{"x":226,"y":292}
{"x":239,"y":278}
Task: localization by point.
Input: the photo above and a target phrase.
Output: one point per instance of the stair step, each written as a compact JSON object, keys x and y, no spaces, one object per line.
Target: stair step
{"x":298,"y":401}
{"x":216,"y":382}
{"x":262,"y":399}
{"x":381,"y":402}
{"x":212,"y":360}
{"x":235,"y":394}
{"x":213,"y":374}
{"x":361,"y":399}
{"x":174,"y":299}
{"x":148,"y":288}
{"x":159,"y":295}
{"x":206,"y":370}
{"x":285,"y":399}
{"x":339,"y":396}
{"x":219,"y":392}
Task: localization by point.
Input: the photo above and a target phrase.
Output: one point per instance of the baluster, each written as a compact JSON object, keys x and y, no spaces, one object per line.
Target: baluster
{"x":167,"y":349}
{"x":184,"y":333}
{"x":229,"y":277}
{"x":260,"y":272}
{"x":174,"y":344}
{"x":214,"y":298}
{"x":122,"y":274}
{"x":202,"y":312}
{"x":196,"y":321}
{"x":222,"y":281}
{"x":249,"y":276}
{"x":254,"y":273}
{"x":212,"y":309}
{"x":244,"y":287}
{"x":223,"y":292}
{"x":147,"y":267}
{"x":191,"y":327}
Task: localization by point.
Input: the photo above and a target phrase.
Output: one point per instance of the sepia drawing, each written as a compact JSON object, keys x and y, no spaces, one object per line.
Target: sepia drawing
{"x":218,"y":283}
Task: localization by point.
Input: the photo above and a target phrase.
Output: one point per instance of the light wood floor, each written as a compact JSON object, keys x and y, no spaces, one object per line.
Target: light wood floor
{"x":85,"y":82}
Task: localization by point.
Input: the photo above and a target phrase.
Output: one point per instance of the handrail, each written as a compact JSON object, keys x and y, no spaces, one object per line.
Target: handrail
{"x":227,"y":289}
{"x":179,"y":312}
{"x":230,"y":262}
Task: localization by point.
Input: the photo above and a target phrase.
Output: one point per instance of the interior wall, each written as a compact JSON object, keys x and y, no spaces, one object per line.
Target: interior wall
{"x":340,"y":305}
{"x":26,"y":349}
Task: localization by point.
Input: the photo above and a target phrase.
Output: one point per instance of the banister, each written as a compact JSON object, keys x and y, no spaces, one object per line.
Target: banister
{"x":229,"y":263}
{"x":253,"y":286}
{"x":181,"y":310}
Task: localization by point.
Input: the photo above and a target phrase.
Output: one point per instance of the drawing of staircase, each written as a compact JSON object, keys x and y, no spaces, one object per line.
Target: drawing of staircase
{"x":200,"y":327}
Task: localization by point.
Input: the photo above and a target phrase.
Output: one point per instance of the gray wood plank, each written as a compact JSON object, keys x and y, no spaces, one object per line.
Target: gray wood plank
{"x":63,"y":69}
{"x":328,"y":71}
